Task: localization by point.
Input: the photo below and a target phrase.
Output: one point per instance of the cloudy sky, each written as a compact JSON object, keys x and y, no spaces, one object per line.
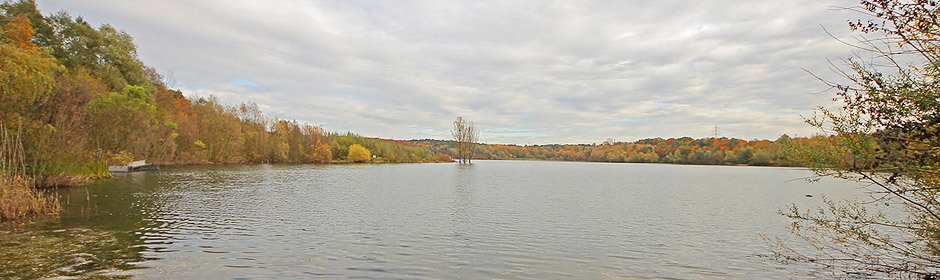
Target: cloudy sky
{"x":524,"y":71}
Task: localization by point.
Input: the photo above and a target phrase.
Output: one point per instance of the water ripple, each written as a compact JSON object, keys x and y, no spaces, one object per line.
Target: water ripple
{"x":515,"y":220}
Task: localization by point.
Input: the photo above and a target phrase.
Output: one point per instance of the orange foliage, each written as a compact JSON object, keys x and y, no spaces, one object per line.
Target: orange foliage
{"x":20,"y":32}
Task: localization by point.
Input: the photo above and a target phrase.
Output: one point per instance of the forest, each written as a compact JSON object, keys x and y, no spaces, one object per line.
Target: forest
{"x":785,"y":151}
{"x":82,"y":99}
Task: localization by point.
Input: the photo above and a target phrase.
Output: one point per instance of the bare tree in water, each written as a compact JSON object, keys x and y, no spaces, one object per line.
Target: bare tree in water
{"x":465,"y":137}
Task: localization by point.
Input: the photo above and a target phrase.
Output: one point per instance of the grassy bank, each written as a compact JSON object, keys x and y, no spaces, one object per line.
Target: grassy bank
{"x":19,"y":196}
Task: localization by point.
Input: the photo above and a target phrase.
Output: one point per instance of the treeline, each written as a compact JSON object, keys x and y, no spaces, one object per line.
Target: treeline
{"x":785,"y":151}
{"x":84,"y":99}
{"x":393,"y":151}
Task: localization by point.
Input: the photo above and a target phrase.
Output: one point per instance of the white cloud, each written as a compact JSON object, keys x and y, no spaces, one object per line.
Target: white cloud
{"x":525,"y":72}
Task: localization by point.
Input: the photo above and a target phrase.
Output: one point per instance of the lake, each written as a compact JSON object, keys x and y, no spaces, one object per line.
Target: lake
{"x":491,"y":219}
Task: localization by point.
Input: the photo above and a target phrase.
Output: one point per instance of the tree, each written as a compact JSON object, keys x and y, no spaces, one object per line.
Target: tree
{"x":887,"y":133}
{"x":323,"y":153}
{"x":465,"y":137}
{"x":358,"y":153}
{"x":19,"y":31}
{"x":28,"y":74}
{"x":219,"y":129}
{"x":123,"y":121}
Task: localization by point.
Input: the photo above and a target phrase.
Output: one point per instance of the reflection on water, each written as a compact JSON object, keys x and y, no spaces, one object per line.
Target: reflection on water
{"x":39,"y":253}
{"x":97,"y":235}
{"x":533,"y":220}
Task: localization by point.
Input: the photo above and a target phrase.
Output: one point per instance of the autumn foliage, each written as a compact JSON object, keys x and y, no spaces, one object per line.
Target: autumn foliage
{"x":886,"y":133}
{"x":359,"y":154}
{"x":83,"y":98}
{"x":785,"y":151}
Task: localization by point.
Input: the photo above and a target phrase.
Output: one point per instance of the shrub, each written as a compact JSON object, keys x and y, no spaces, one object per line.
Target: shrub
{"x":358,"y":153}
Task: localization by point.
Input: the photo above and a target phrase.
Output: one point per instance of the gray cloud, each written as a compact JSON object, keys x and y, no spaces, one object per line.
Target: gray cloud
{"x":524,"y":71}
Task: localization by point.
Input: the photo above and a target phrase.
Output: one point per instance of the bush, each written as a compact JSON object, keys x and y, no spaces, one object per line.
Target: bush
{"x":358,"y":153}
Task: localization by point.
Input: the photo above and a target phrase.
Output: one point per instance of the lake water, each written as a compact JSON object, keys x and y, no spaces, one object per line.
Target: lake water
{"x":492,"y":219}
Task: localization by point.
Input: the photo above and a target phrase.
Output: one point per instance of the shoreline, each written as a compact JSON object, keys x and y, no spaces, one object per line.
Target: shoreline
{"x":520,"y":159}
{"x":67,"y":181}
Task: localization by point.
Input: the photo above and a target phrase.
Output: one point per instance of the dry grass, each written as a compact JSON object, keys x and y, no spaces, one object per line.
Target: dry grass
{"x":19,"y":199}
{"x":18,"y":195}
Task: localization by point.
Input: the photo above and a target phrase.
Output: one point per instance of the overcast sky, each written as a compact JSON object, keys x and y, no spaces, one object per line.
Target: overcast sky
{"x":524,"y":71}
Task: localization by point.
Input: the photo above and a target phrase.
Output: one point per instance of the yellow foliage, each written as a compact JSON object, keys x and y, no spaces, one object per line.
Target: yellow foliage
{"x":26,"y":76}
{"x":358,"y":153}
{"x":20,"y":31}
{"x":323,"y":153}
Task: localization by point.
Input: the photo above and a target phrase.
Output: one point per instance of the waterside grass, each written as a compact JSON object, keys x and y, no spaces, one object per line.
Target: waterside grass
{"x":18,"y":195}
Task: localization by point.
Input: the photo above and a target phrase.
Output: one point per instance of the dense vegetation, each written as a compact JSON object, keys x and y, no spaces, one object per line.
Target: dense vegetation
{"x":785,"y":151}
{"x":18,"y":198}
{"x":85,"y":99}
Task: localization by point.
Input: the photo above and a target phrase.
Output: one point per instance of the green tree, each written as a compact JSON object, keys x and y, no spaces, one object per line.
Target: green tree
{"x":123,"y":121}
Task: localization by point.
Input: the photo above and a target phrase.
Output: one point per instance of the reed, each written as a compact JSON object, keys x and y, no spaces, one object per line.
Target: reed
{"x":18,"y":195}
